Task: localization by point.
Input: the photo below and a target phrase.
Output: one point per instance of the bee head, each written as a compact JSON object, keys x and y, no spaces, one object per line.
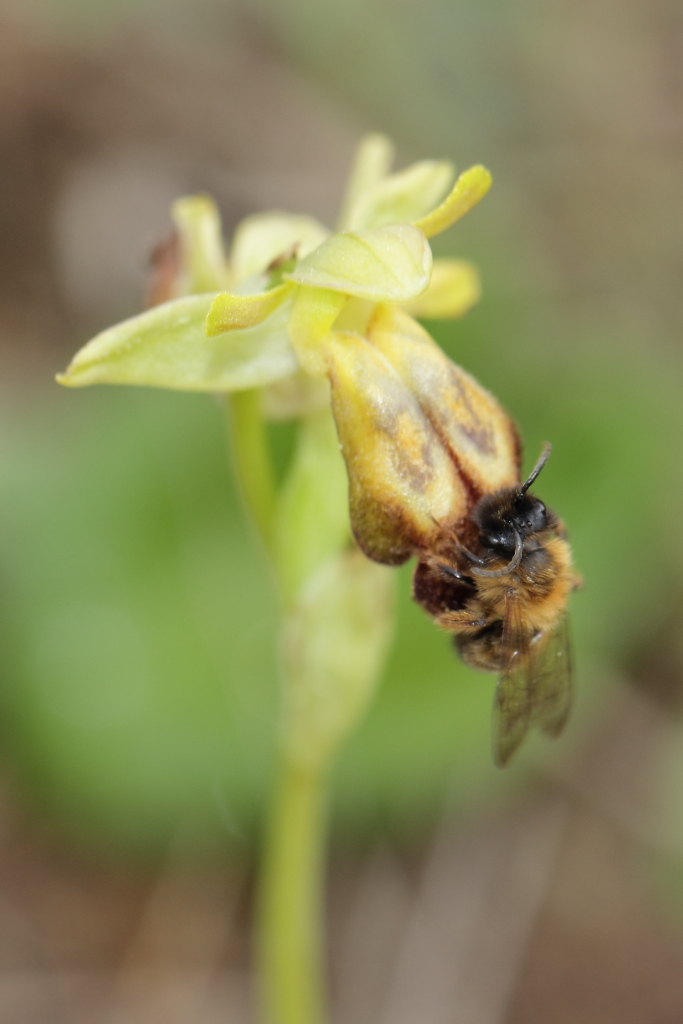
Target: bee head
{"x":504,"y":516}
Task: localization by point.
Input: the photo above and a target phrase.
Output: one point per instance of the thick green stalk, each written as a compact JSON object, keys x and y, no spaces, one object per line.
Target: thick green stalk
{"x":292,"y":884}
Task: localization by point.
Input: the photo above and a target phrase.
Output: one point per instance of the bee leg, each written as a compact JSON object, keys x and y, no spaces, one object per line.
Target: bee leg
{"x":463,"y":621}
{"x":445,"y":569}
{"x":449,"y":572}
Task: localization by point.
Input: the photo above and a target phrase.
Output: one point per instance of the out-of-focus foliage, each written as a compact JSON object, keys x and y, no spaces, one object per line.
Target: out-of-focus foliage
{"x":118,"y":510}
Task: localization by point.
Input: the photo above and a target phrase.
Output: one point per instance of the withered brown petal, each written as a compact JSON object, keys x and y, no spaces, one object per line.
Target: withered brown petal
{"x":480,"y":436}
{"x":402,"y":482}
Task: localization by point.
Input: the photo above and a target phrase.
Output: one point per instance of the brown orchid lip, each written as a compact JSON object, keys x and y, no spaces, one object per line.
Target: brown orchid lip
{"x":422,"y":440}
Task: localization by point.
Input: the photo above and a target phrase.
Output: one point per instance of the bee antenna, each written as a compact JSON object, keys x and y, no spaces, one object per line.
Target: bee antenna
{"x":543,"y":458}
{"x":510,"y":567}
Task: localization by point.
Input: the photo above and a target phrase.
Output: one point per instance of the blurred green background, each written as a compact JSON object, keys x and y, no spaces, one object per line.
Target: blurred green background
{"x":137,"y":659}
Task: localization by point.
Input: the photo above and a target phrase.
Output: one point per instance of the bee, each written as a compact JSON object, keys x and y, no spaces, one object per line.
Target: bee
{"x":506,"y":604}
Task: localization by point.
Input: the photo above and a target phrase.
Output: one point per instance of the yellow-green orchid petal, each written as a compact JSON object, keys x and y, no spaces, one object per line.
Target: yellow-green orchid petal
{"x":403,"y":197}
{"x":453,"y":290}
{"x":471,"y":424}
{"x":471,"y":186}
{"x":198,"y":224}
{"x":313,"y":312}
{"x":388,"y":264}
{"x":261,"y":238}
{"x":372,"y":161}
{"x":236,"y":312}
{"x":166,"y":347}
{"x":401,"y":478}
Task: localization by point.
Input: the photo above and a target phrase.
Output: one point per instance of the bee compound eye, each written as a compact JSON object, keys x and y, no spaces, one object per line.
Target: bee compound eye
{"x":538,"y":517}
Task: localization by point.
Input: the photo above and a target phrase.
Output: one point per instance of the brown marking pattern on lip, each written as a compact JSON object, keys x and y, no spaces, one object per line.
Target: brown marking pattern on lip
{"x":418,"y":473}
{"x":481,"y":435}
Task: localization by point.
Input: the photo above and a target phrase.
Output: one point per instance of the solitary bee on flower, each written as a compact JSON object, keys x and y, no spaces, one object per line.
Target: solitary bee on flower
{"x":507,"y":607}
{"x":438,"y":478}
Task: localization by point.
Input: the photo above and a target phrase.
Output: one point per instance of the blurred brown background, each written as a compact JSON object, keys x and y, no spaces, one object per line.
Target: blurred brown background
{"x":137,"y":688}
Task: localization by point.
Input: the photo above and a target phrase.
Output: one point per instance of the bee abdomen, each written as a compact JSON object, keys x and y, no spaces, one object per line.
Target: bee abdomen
{"x":483,"y":650}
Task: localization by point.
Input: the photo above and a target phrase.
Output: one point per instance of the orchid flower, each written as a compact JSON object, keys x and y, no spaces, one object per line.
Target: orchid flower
{"x":265,"y":312}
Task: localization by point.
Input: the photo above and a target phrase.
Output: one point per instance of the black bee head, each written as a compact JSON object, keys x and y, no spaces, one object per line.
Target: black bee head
{"x":500,"y":516}
{"x":510,"y":513}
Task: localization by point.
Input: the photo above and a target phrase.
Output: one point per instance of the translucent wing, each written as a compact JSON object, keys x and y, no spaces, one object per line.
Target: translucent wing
{"x":551,"y":679}
{"x":536,"y":686}
{"x":513,"y":701}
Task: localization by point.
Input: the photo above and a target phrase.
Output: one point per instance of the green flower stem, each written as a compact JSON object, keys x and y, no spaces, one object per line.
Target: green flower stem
{"x":252,"y":458}
{"x":292,"y":884}
{"x":335,"y":628}
{"x":300,"y":528}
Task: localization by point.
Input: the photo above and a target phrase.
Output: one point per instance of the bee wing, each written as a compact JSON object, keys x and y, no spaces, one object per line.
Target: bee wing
{"x":513,"y":701}
{"x":551,"y":679}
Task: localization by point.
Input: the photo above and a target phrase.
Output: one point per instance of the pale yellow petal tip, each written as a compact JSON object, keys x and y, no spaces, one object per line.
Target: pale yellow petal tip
{"x":191,"y":207}
{"x":372,"y":159}
{"x":377,"y":142}
{"x":76,"y":375}
{"x":198,"y":223}
{"x":479,"y":180}
{"x":237,"y":312}
{"x":471,"y":186}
